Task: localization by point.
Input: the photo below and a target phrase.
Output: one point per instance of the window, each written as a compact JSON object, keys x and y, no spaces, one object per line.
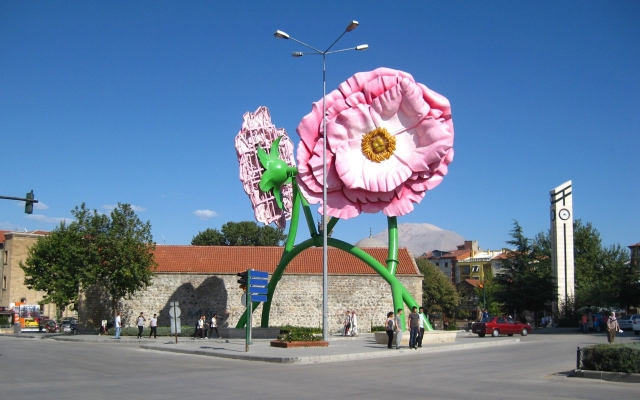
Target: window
{"x":4,"y":282}
{"x":475,"y":268}
{"x":465,"y":270}
{"x":6,"y":256}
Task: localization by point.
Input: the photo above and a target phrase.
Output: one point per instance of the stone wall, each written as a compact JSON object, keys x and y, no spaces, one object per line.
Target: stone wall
{"x":297,"y":300}
{"x":16,"y":248}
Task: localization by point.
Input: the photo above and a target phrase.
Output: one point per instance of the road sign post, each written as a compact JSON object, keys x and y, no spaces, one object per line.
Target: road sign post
{"x":256,"y":290}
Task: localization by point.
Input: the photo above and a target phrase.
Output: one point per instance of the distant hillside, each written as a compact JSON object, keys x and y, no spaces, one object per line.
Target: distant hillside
{"x":421,"y":238}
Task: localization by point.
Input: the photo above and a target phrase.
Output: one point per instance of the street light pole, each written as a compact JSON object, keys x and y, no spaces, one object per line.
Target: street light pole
{"x":325,"y":269}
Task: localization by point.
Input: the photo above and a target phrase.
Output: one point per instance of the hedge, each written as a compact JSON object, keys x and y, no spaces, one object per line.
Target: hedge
{"x":613,"y":358}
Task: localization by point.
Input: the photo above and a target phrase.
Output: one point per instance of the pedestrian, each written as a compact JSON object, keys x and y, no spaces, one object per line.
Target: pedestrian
{"x":413,"y":326}
{"x":117,"y":324}
{"x":354,"y":323}
{"x":347,"y":323}
{"x":201,"y":328}
{"x":398,"y":327}
{"x":612,"y":328}
{"x":422,"y":321}
{"x":584,"y":323}
{"x":141,"y":320}
{"x":153,"y":324}
{"x":214,"y":326}
{"x":389,"y":326}
{"x":589,"y":322}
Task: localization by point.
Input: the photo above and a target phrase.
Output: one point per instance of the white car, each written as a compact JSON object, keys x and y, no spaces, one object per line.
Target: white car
{"x":636,"y":326}
{"x":626,"y":322}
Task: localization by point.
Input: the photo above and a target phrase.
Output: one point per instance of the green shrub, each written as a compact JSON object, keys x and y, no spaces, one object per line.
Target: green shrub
{"x":6,"y":320}
{"x":300,"y":329}
{"x":380,"y":328}
{"x":295,"y":336}
{"x":452,"y":327}
{"x":614,"y":358}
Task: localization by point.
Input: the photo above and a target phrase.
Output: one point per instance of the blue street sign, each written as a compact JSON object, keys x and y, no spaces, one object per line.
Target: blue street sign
{"x":258,"y":290}
{"x":253,"y":282}
{"x":259,"y":274}
{"x":257,"y":297}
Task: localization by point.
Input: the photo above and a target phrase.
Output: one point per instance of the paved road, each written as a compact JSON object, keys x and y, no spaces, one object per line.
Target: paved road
{"x":535,"y":368}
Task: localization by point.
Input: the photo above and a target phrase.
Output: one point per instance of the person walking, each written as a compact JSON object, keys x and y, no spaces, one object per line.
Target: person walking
{"x":354,"y":323}
{"x":214,"y":326}
{"x":413,"y":326}
{"x":141,"y":320}
{"x":398,"y":327}
{"x":347,"y":323}
{"x":153,"y":324}
{"x":612,"y":328}
{"x":422,"y":320}
{"x":389,"y":326}
{"x":117,"y":324}
{"x":589,"y":322}
{"x":584,"y":323}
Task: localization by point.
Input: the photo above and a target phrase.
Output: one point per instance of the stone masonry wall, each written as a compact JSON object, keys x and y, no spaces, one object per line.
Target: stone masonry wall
{"x":297,"y":300}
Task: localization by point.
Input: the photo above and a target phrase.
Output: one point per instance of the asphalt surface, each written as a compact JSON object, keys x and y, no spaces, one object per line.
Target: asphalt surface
{"x":539,"y":366}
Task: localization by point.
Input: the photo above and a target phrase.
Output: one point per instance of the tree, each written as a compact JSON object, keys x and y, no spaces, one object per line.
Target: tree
{"x":208,"y":237}
{"x":525,"y":281}
{"x":438,"y":293}
{"x":54,"y":264}
{"x":246,"y":233}
{"x":121,"y":250}
{"x":114,"y":252}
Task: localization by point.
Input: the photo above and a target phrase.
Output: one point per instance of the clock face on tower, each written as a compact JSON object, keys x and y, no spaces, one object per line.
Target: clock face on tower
{"x":564,"y":214}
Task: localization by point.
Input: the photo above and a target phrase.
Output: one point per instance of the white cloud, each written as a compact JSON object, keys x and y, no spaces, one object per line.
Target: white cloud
{"x":135,"y":208}
{"x":50,"y":220}
{"x":205,"y":214}
{"x":40,"y":206}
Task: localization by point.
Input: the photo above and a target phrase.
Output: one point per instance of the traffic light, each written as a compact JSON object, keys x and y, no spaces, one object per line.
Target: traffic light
{"x":28,"y":206}
{"x":243,"y":281}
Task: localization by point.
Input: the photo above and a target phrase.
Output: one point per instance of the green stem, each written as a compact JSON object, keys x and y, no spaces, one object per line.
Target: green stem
{"x":392,"y":259}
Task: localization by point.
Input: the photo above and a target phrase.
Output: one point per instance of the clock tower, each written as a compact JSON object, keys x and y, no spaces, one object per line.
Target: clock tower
{"x":562,"y":243}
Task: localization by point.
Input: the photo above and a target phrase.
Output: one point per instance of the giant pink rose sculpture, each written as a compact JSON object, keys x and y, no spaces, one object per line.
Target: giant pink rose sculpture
{"x":389,"y":140}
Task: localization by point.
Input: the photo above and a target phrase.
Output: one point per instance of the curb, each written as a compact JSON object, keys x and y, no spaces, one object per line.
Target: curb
{"x":335,"y":357}
{"x":607,"y":376}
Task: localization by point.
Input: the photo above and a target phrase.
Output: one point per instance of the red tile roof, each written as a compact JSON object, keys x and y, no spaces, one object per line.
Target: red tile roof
{"x":232,"y":259}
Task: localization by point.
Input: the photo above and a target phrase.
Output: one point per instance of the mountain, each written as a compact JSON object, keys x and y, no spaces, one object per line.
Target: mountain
{"x":421,"y":238}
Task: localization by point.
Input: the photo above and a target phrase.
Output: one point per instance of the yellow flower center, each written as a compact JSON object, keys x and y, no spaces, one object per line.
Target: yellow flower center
{"x":378,"y":145}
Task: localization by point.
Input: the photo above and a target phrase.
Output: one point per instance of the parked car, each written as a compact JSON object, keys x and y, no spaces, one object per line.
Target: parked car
{"x":636,"y":326}
{"x":626,"y":322}
{"x":50,"y":326}
{"x":495,"y":326}
{"x":68,"y":325}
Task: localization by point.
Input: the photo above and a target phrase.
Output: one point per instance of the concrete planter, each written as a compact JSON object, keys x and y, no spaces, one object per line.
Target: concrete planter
{"x":289,"y":345}
{"x":256,"y":333}
{"x":429,"y":337}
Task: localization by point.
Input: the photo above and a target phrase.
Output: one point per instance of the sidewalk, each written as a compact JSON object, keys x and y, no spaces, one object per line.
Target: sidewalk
{"x":340,"y":348}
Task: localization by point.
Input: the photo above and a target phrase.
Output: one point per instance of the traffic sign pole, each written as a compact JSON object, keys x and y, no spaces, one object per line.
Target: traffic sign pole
{"x":249,"y":312}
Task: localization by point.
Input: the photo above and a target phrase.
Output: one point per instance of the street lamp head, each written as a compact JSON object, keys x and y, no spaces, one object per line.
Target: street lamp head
{"x":353,"y":25}
{"x":362,"y":47}
{"x":281,"y":35}
{"x":297,"y":54}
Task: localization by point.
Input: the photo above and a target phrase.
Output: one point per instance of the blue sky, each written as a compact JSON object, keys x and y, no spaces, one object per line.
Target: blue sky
{"x":139,"y":102}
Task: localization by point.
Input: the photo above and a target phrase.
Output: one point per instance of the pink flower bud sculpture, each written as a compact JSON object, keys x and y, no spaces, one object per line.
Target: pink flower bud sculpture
{"x":389,"y":141}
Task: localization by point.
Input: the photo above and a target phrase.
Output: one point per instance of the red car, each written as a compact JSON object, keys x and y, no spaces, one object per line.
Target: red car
{"x":495,"y":326}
